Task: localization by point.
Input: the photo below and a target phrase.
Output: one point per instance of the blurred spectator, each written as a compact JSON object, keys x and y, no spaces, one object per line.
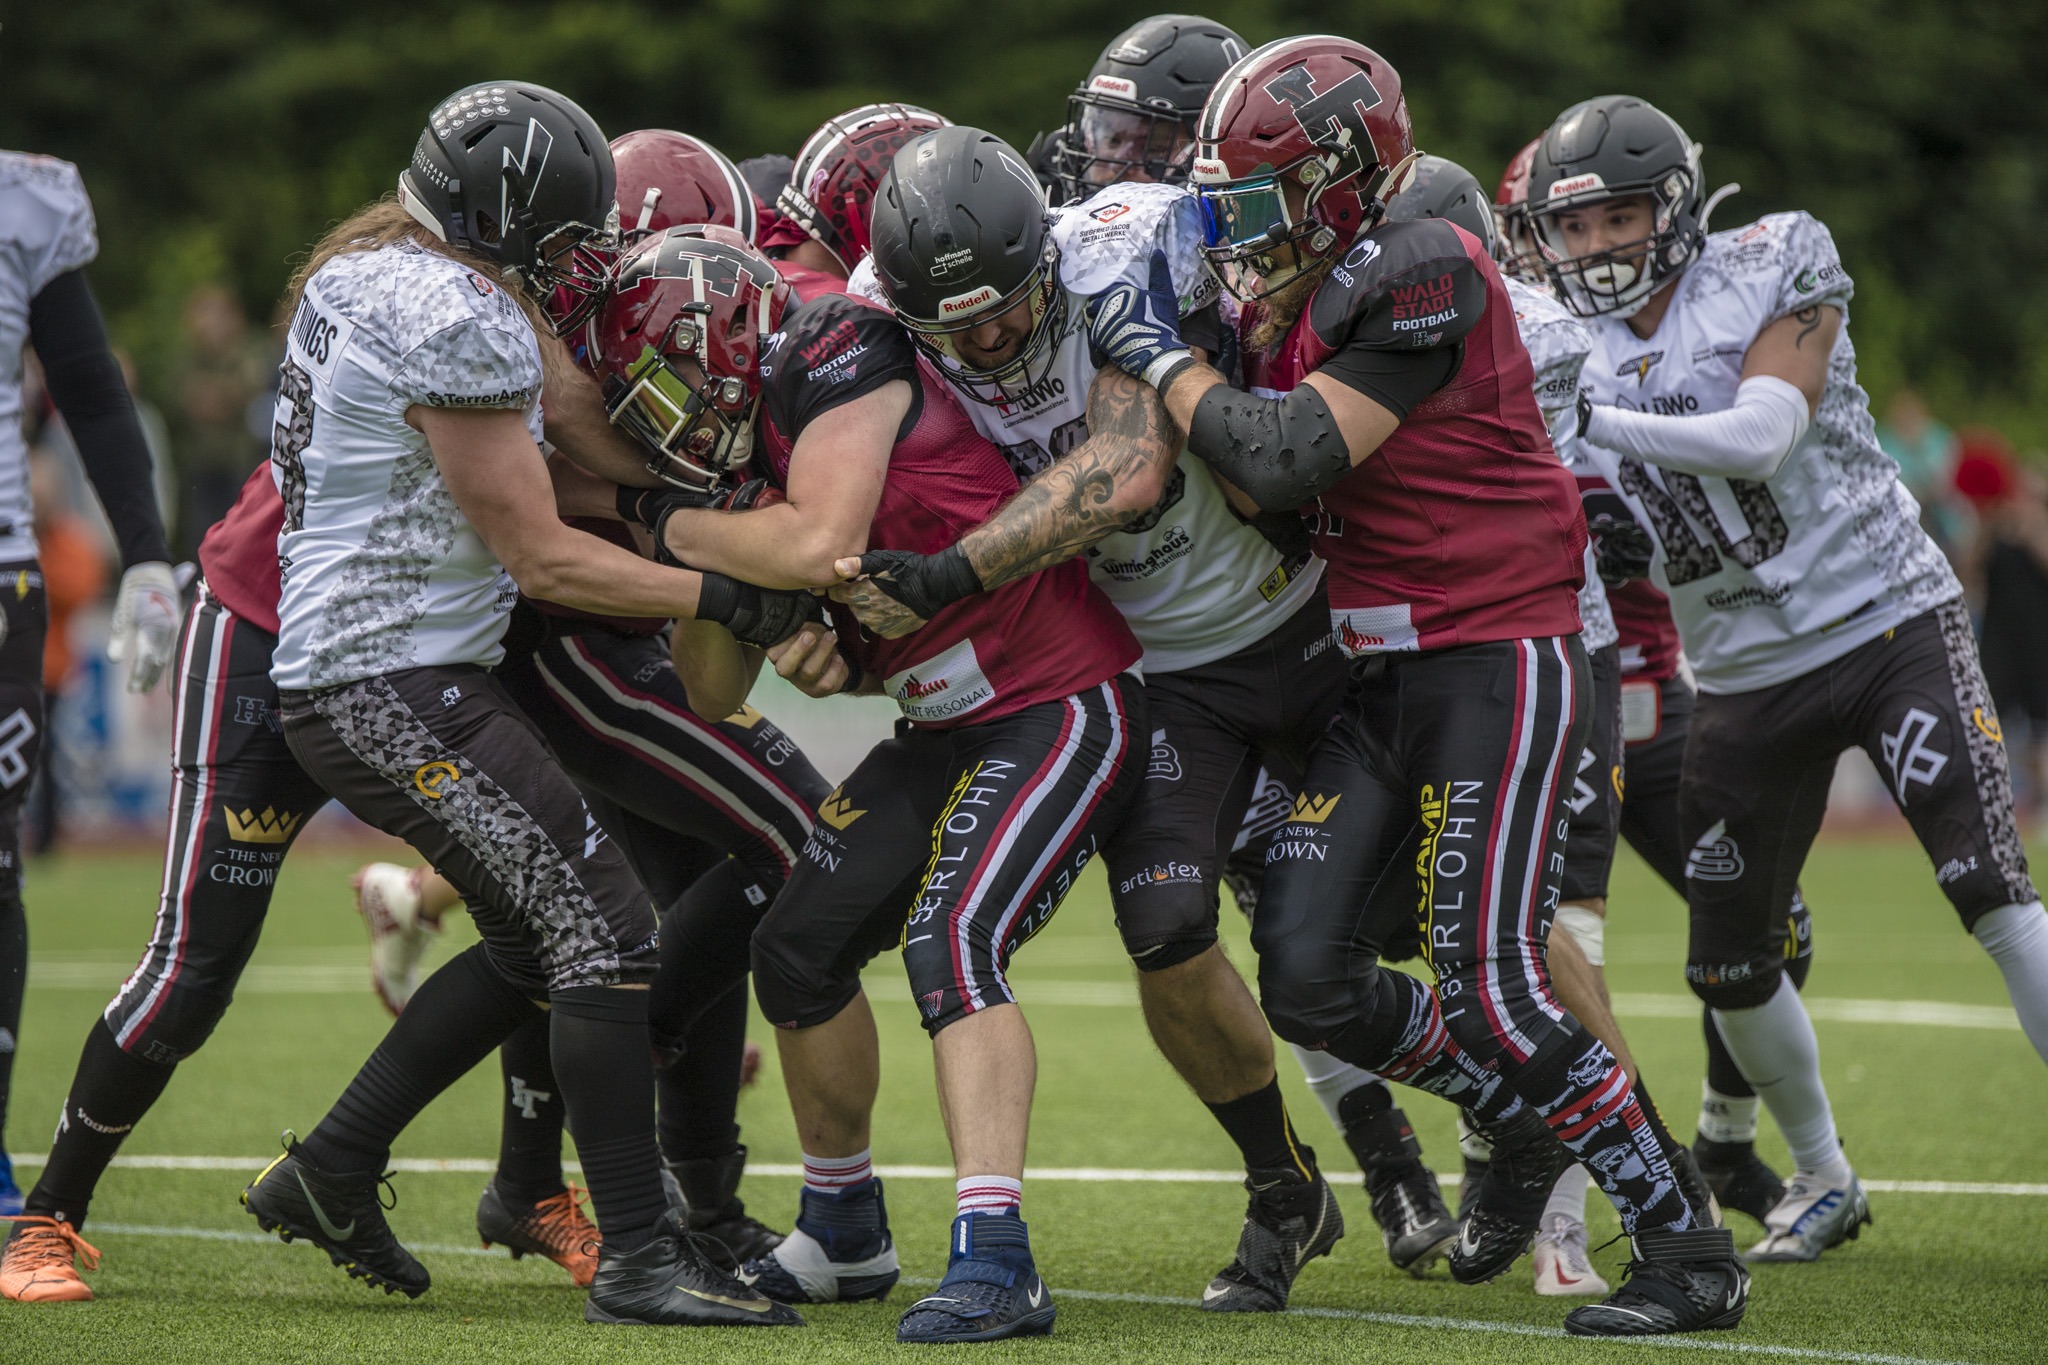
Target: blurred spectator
{"x":2008,"y":569}
{"x":1925,"y":452}
{"x":74,"y":574}
{"x":51,"y":434}
{"x":225,"y":367}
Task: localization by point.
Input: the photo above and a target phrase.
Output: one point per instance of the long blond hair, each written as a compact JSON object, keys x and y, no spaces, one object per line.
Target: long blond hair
{"x":385,"y":222}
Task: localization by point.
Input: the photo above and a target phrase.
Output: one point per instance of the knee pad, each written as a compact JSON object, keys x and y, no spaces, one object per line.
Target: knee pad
{"x":1165,"y":916}
{"x":1311,"y":1008}
{"x":1170,"y":952}
{"x":1735,"y":985}
{"x":793,"y":990}
{"x":1587,"y":929}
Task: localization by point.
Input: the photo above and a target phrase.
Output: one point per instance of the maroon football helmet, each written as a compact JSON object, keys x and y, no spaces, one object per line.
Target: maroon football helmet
{"x":666,"y":178}
{"x":1322,"y":115}
{"x":831,"y":191}
{"x":679,"y":349}
{"x":1515,"y":244}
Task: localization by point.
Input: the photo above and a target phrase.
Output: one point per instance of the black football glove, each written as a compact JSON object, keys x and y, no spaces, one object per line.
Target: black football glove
{"x":926,"y":584}
{"x":756,"y":616}
{"x":1622,"y":549}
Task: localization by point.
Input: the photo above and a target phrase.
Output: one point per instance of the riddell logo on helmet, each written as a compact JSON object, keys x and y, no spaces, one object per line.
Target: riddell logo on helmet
{"x":1577,"y":184}
{"x":1209,"y":171}
{"x":968,"y":302}
{"x":1115,"y":85}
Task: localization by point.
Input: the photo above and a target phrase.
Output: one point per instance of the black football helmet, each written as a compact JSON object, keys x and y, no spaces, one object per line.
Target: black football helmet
{"x":1134,"y":116}
{"x":959,"y":237}
{"x":1440,"y":188}
{"x":1611,"y":148}
{"x":520,"y":174}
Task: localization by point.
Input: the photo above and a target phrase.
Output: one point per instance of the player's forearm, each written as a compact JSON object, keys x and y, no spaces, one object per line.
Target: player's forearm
{"x":1751,"y":440}
{"x":573,"y":411}
{"x":563,"y":565}
{"x":775,"y":547}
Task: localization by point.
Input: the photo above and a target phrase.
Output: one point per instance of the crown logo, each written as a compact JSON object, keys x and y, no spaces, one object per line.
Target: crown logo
{"x":838,"y":812}
{"x":1313,"y":810}
{"x":267,"y":828}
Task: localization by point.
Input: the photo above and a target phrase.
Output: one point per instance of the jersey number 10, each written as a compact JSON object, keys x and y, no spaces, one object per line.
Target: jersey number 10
{"x":1686,"y":558}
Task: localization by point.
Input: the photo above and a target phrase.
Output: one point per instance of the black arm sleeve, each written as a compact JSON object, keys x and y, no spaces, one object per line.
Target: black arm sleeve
{"x":1282,"y":452}
{"x":1396,"y":380}
{"x":1204,"y":328}
{"x":85,"y":383}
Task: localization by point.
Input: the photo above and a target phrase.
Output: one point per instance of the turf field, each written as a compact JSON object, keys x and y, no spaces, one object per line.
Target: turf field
{"x":1947,"y":1095}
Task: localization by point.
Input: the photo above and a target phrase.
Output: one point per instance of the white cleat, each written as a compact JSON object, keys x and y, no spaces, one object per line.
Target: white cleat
{"x":388,"y":896}
{"x":1815,"y":1214}
{"x":1563,"y":1269}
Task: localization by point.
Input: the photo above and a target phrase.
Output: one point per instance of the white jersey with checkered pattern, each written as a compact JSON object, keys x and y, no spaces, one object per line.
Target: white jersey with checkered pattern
{"x":1557,"y":344}
{"x":381,"y":571}
{"x":1194,"y":581}
{"x":1768,"y":580}
{"x":46,"y":229}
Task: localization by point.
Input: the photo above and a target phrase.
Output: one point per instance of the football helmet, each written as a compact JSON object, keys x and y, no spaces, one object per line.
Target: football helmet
{"x":1134,"y":116}
{"x":1320,"y":116}
{"x":831,"y":190}
{"x":680,"y":349}
{"x":960,"y":238}
{"x":1608,"y":148}
{"x":1443,"y":189}
{"x":1514,"y":242}
{"x":666,"y":178}
{"x":521,"y":175}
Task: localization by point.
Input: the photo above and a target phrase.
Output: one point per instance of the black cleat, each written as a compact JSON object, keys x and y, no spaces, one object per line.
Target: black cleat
{"x":1507,"y":1201}
{"x":668,"y":1283}
{"x":1688,"y":1281}
{"x":705,"y":1191}
{"x":340,"y":1214}
{"x":1412,"y":1216}
{"x":1468,"y":1187}
{"x":1738,"y":1177}
{"x":1291,"y":1220}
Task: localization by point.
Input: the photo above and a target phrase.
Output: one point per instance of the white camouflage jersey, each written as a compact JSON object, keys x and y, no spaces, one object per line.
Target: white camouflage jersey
{"x":1767,"y":580}
{"x":1557,"y":343}
{"x":46,"y":228}
{"x":1194,"y":581}
{"x":381,"y":570}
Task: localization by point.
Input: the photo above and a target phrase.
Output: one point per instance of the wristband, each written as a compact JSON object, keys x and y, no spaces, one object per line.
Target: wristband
{"x":720,"y":598}
{"x":632,"y":505}
{"x":1161,"y":373}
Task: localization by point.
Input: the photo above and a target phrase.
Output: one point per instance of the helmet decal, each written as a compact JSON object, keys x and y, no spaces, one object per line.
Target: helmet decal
{"x":1334,"y":119}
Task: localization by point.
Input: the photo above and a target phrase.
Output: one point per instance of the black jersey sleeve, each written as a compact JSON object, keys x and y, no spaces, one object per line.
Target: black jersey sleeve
{"x":1406,"y":286}
{"x":832,"y":350}
{"x":1396,"y":380}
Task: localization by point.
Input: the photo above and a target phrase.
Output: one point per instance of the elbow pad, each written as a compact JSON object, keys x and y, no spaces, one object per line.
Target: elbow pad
{"x":1282,"y":452}
{"x":1750,"y":440}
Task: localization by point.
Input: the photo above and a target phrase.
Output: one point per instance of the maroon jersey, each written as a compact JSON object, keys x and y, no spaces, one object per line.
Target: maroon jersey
{"x":238,"y":556}
{"x":1649,"y":637}
{"x":1046,"y":636}
{"x":807,"y":283}
{"x":1462,"y":527}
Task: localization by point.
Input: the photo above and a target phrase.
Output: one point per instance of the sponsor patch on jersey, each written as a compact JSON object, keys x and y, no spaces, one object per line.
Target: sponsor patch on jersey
{"x":946,"y":686}
{"x":1375,"y":630}
{"x":1638,"y":366}
{"x":318,"y":337}
{"x":1109,"y":213}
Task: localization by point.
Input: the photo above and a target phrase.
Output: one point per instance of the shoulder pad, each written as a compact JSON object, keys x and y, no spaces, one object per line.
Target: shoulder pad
{"x":1109,"y":238}
{"x":45,"y":214}
{"x":863,"y":283}
{"x":1785,"y":261}
{"x":831,"y":350}
{"x":1403,"y":286}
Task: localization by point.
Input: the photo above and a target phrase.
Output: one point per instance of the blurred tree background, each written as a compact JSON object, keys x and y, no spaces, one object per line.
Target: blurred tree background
{"x":220,"y":137}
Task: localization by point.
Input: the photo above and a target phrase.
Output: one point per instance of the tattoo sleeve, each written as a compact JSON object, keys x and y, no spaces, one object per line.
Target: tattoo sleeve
{"x":1087,"y":493}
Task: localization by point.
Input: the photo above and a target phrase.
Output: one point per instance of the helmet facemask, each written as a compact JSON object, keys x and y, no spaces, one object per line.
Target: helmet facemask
{"x":696,"y":432}
{"x":1617,"y":281}
{"x":1246,"y":222}
{"x":1022,"y":372}
{"x":1106,"y":140}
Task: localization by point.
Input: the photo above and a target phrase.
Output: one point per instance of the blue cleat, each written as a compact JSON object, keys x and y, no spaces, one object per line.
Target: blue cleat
{"x":839,"y":1251}
{"x":991,"y":1289}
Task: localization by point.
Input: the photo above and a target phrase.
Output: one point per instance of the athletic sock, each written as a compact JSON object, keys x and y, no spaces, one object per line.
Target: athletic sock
{"x":1776,"y":1049}
{"x":1330,"y":1079}
{"x":988,"y":1194}
{"x":1584,"y":1095}
{"x":453,"y":1021}
{"x":530,"y":1132}
{"x":700,"y":1090}
{"x":1403,"y":1039}
{"x":831,"y":1174}
{"x":13,"y":981}
{"x":1568,"y":1195}
{"x":598,"y":1037}
{"x":2016,"y":936}
{"x":1258,"y":1124}
{"x":1727,"y":1119}
{"x":109,"y":1095}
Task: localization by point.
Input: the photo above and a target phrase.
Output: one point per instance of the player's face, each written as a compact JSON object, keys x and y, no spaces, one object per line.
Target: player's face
{"x":1608,"y":226}
{"x":1127,"y":145}
{"x":998,"y":340}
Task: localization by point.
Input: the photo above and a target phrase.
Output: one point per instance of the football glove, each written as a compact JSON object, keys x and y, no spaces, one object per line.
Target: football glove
{"x":756,"y":616}
{"x":1138,"y":330}
{"x":926,"y":584}
{"x":145,"y":626}
{"x":1622,"y":549}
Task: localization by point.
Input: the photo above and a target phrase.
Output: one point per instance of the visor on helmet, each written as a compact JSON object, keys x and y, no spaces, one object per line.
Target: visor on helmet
{"x":696,"y":433}
{"x":1244,"y":224}
{"x":1106,"y":143}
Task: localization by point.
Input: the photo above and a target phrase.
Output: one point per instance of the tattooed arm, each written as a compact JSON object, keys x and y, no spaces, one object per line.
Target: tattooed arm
{"x":1115,"y":475}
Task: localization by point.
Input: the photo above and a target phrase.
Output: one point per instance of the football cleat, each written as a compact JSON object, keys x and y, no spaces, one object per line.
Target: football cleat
{"x":1468,"y":1185}
{"x":1738,"y":1177}
{"x":388,"y":898}
{"x":840,"y":1250}
{"x":1290,"y":1221}
{"x":1507,"y":1203}
{"x":39,"y":1262}
{"x":991,"y":1289}
{"x":340,"y":1214}
{"x":10,"y":1193}
{"x":1813,"y":1216}
{"x":1412,"y":1216}
{"x":668,"y":1283}
{"x":1563,"y":1269}
{"x":555,"y":1227}
{"x":1689,"y":1281}
{"x":705,"y":1191}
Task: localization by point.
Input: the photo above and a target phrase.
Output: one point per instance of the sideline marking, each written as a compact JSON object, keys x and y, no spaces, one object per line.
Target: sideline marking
{"x":1518,"y":1329}
{"x":1093,"y":1175}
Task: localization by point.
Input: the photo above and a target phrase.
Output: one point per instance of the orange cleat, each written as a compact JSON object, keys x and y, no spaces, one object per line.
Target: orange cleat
{"x":556,"y":1228}
{"x":37,"y":1262}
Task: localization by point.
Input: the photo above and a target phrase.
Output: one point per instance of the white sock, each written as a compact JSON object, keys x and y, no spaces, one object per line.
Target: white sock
{"x":1775,"y":1047}
{"x":1727,"y":1118}
{"x":1330,"y":1078}
{"x":2016,"y":936}
{"x":831,"y":1174}
{"x":988,"y":1194}
{"x":1568,"y":1195}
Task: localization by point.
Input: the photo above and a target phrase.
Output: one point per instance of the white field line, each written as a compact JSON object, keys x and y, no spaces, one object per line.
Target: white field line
{"x":1091,"y":1175}
{"x":336,"y":978}
{"x":1436,"y":1324}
